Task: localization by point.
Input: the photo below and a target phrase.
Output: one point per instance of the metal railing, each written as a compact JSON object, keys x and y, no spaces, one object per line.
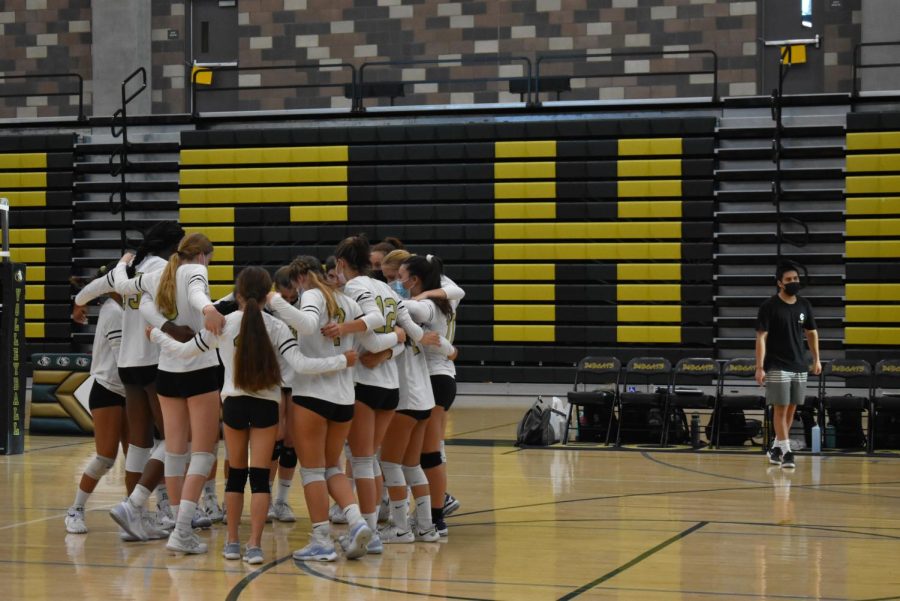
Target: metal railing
{"x":314,"y":67}
{"x":75,"y":76}
{"x":858,"y":64}
{"x":120,"y":169}
{"x":714,"y":70}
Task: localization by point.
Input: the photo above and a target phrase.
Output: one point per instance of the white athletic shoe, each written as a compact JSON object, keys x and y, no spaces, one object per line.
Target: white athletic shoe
{"x":384,"y":510}
{"x":318,"y":549}
{"x":376,"y":547}
{"x":75,"y":521}
{"x":282,"y":512}
{"x":129,"y":518}
{"x":392,"y":535}
{"x":165,"y":519}
{"x":201,"y":520}
{"x":423,"y":536}
{"x":253,"y":555}
{"x":151,"y":528}
{"x":336,"y":515}
{"x":211,"y":507}
{"x":232,"y":551}
{"x":188,"y":543}
{"x":355,"y":544}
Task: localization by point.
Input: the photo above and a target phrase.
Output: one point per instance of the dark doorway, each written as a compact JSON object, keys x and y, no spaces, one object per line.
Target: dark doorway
{"x":214,"y":41}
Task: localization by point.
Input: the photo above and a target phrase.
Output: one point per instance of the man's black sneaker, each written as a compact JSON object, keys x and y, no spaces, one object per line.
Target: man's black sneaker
{"x":788,"y":461}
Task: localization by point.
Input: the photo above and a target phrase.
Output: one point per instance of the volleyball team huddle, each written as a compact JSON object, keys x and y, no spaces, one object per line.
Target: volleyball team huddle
{"x":355,"y":357}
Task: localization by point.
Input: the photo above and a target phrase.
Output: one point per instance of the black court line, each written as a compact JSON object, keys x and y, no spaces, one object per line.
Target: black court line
{"x":455,"y":434}
{"x":60,"y":446}
{"x":633,"y":562}
{"x":238,"y":588}
{"x":647,"y":456}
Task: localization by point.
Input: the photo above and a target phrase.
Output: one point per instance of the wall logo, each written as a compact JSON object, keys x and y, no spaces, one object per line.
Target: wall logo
{"x":82,"y":361}
{"x":63,"y":361}
{"x":44,"y":361}
{"x":19,"y":276}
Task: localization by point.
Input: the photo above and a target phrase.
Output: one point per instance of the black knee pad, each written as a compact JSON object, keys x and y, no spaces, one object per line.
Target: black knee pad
{"x":237,"y":479}
{"x":259,"y":480}
{"x":288,"y":458}
{"x":276,"y":452}
{"x":430,"y":460}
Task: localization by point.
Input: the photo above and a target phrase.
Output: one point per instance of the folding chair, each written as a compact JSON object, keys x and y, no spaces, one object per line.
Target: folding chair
{"x":739,"y":371}
{"x":643,"y":371}
{"x":693,"y":372}
{"x":594,"y":370}
{"x":842,"y":375}
{"x":887,"y":375}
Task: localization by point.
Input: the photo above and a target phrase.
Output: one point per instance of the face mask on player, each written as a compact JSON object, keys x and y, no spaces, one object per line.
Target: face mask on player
{"x":792,"y":288}
{"x":402,"y":292}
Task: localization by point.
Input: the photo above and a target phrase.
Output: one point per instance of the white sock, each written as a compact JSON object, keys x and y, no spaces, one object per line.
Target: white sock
{"x":210,"y":487}
{"x":322,"y":530}
{"x":284,"y":487}
{"x":371,"y":520}
{"x":139,"y":496}
{"x":81,"y":498}
{"x":186,"y":511}
{"x":423,"y":513}
{"x":399,"y":512}
{"x":353,"y":514}
{"x":786,"y":446}
{"x":162,"y":493}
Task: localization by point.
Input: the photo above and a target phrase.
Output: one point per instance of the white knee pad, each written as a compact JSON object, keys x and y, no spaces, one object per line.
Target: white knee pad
{"x":175,"y":464}
{"x":443,"y":453}
{"x":159,"y":452}
{"x":363,"y":467}
{"x":415,"y":475}
{"x":308,"y":475}
{"x":98,"y":466}
{"x":393,"y":474}
{"x":332,"y":472}
{"x":201,"y":464}
{"x":137,"y":459}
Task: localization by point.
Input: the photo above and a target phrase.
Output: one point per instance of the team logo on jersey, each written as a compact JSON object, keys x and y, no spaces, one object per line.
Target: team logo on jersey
{"x":63,"y":361}
{"x":802,"y":318}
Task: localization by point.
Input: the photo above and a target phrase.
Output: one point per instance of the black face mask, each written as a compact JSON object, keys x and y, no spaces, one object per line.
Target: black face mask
{"x":379,"y":275}
{"x":792,"y":288}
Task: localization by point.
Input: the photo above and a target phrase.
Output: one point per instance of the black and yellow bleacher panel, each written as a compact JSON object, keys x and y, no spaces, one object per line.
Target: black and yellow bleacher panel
{"x":581,"y":233}
{"x":36,"y":175}
{"x":873,"y":235}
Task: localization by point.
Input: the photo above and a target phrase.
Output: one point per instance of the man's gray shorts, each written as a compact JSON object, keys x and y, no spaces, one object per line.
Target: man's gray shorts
{"x":785,"y":387}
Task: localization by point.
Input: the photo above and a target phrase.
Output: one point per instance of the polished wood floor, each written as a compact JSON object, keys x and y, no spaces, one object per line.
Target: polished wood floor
{"x":534,"y":524}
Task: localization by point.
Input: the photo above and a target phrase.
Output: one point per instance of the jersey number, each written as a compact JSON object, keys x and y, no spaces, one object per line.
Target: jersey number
{"x":389,"y":310}
{"x":340,"y":318}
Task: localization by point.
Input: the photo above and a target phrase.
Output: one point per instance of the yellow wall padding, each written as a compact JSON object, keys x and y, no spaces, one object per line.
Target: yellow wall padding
{"x":649,"y":209}
{"x":215,"y":234}
{"x":649,"y":168}
{"x":264,"y":175}
{"x":648,"y":271}
{"x":873,"y":184}
{"x":221,"y":273}
{"x":529,"y":271}
{"x":217,"y":291}
{"x":250,"y":156}
{"x":319,"y":213}
{"x":524,"y":292}
{"x":862,"y":163}
{"x":519,"y":313}
{"x":34,"y":311}
{"x":649,"y":146}
{"x":28,"y":255}
{"x":35,"y":292}
{"x":872,"y":313}
{"x":879,"y":336}
{"x":648,"y":292}
{"x":886,"y":140}
{"x":613,"y":230}
{"x":527,"y":333}
{"x":886,"y":205}
{"x":36,"y":273}
{"x":223,"y":254}
{"x":872,"y":292}
{"x":536,"y":170}
{"x":650,"y":188}
{"x":36,"y":198}
{"x":525,"y":150}
{"x":23,"y":180}
{"x":210,"y":215}
{"x":34,"y":329}
{"x":279,"y":194}
{"x":29,"y":160}
{"x":590,"y":251}
{"x":873,"y":227}
{"x":649,"y":334}
{"x":872,"y":249}
{"x":26,"y":236}
{"x":648,"y":313}
{"x":525,"y":210}
{"x":525,"y":190}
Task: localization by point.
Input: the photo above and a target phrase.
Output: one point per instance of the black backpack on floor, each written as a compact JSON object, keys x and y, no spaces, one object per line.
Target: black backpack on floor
{"x":534,"y":430}
{"x":736,"y":428}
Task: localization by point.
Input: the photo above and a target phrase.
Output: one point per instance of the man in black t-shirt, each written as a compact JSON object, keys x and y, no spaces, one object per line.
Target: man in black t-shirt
{"x":781,"y":364}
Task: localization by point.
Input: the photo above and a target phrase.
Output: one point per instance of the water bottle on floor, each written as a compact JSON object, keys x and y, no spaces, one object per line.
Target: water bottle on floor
{"x":816,"y":435}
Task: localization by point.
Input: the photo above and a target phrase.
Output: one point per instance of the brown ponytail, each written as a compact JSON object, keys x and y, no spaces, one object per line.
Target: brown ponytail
{"x":190,"y":247}
{"x":255,"y":364}
{"x":312,"y":268}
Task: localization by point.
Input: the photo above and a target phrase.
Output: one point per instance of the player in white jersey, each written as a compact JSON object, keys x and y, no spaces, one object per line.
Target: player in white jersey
{"x":188,"y":390}
{"x":137,"y":360}
{"x":379,"y":252}
{"x":250,"y":344}
{"x":106,"y":403}
{"x":322,"y":407}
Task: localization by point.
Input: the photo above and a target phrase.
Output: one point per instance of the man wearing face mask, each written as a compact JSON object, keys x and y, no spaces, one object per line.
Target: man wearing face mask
{"x":781,"y":364}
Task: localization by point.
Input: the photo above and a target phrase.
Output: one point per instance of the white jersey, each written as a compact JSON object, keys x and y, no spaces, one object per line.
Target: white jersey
{"x":308,"y":321}
{"x":434,"y":320}
{"x":136,"y":350}
{"x":191,"y":295}
{"x":287,"y":372}
{"x":415,"y":384}
{"x":283,"y":343}
{"x":107,"y":340}
{"x":369,"y":292}
{"x":454,"y":293}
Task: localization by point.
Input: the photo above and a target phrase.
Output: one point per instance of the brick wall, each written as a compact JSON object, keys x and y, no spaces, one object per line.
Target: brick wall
{"x":44,"y":36}
{"x":168,"y":56}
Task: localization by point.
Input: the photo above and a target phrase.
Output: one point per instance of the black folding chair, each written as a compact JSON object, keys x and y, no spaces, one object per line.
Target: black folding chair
{"x":646,"y":372}
{"x":596,"y":371}
{"x":887,"y":375}
{"x":740,"y":374}
{"x":842,"y":375}
{"x":691,"y":372}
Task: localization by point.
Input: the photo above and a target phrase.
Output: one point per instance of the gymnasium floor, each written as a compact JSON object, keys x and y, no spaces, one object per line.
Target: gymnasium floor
{"x":534,"y":524}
